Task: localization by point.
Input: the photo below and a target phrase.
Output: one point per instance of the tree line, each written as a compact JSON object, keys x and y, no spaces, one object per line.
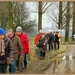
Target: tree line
{"x":66,"y":17}
{"x":13,"y":13}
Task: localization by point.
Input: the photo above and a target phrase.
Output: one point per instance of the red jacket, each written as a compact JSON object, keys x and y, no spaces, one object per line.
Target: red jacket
{"x":36,"y":39}
{"x":25,"y":43}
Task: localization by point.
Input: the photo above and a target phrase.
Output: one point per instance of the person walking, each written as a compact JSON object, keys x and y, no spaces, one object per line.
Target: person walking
{"x":56,"y":41}
{"x":59,"y":36}
{"x":50,"y":40}
{"x":25,"y":43}
{"x":42,"y":45}
{"x":36,"y":39}
{"x":6,"y":51}
{"x":16,"y":45}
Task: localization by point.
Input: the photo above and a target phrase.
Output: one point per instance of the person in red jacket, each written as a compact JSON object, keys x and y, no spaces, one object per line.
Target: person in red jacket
{"x":25,"y":43}
{"x":36,"y":39}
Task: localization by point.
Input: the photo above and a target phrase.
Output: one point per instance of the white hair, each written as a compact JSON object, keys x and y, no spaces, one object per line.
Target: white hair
{"x":40,"y":31}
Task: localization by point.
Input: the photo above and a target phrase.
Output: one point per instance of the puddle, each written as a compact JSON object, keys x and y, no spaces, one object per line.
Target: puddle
{"x":63,"y":58}
{"x":66,"y":57}
{"x":63,"y":65}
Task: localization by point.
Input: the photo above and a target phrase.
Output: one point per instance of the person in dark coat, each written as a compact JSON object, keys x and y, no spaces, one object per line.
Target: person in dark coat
{"x":42,"y":45}
{"x":46,"y":35}
{"x":50,"y":40}
{"x":56,"y":41}
{"x":6,"y":51}
{"x":16,"y":45}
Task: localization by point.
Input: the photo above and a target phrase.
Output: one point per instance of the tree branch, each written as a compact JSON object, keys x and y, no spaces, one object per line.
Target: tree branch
{"x":44,"y":10}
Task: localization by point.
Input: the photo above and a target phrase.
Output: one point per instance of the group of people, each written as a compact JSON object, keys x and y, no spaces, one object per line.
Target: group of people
{"x":47,"y":41}
{"x":14,"y":46}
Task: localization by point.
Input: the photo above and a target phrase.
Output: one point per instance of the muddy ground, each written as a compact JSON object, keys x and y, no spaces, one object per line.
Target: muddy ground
{"x":61,"y":64}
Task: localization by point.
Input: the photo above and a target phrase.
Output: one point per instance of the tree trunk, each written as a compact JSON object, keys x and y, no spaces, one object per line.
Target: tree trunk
{"x":40,"y":15}
{"x":67,"y":22}
{"x":10,"y":20}
{"x":60,"y":15}
{"x":73,"y":25}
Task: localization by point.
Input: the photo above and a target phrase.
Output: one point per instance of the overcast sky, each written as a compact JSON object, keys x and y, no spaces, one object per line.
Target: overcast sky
{"x":46,"y":21}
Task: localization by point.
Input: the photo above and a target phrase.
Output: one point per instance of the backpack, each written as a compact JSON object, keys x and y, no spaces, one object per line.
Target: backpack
{"x":41,"y":42}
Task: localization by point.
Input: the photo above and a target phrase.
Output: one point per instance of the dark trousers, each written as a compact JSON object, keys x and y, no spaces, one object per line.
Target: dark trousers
{"x":17,"y":62}
{"x":50,"y":45}
{"x":56,"y":45}
{"x":3,"y":68}
{"x":42,"y":54}
{"x":25,"y":61}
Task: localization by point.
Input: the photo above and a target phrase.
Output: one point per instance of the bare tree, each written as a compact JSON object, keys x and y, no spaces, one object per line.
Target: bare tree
{"x":15,"y":13}
{"x":42,"y":8}
{"x":60,"y":15}
{"x":3,"y":15}
{"x":10,"y":19}
{"x":21,"y":17}
{"x":40,"y":15}
{"x":67,"y":22}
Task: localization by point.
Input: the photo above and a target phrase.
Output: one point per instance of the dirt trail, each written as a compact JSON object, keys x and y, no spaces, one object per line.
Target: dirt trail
{"x":63,"y":63}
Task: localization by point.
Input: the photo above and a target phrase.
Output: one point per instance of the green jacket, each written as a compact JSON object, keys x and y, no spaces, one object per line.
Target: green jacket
{"x":16,"y":45}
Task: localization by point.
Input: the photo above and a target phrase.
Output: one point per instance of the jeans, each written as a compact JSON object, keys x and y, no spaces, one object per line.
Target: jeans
{"x":3,"y":68}
{"x":39,"y":53}
{"x":12,"y":67}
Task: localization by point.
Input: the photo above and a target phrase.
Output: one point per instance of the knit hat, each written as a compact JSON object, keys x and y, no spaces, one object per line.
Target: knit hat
{"x":19,"y":29}
{"x":2,"y":31}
